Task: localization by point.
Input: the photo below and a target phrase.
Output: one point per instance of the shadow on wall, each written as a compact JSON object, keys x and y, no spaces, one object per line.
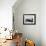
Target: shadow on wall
{"x":37,"y":41}
{"x":28,"y":7}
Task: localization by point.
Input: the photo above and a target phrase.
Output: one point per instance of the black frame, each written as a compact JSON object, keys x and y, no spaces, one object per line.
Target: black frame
{"x":30,"y":15}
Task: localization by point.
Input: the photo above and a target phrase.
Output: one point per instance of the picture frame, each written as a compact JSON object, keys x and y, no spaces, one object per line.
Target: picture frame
{"x":29,"y":19}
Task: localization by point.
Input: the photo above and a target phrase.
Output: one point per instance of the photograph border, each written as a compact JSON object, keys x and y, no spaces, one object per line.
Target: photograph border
{"x":30,"y":15}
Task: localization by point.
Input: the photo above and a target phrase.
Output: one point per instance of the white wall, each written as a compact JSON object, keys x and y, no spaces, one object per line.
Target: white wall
{"x":43,"y":22}
{"x":6,"y":13}
{"x":29,"y":31}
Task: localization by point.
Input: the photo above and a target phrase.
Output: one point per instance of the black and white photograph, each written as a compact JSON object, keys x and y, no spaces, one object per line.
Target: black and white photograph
{"x":29,"y":19}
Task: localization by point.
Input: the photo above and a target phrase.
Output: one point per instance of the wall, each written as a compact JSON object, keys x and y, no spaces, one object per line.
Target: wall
{"x":43,"y":22}
{"x":29,"y":31}
{"x":6,"y":13}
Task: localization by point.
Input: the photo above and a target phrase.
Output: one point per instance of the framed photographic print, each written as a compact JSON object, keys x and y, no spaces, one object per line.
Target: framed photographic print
{"x":29,"y":19}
